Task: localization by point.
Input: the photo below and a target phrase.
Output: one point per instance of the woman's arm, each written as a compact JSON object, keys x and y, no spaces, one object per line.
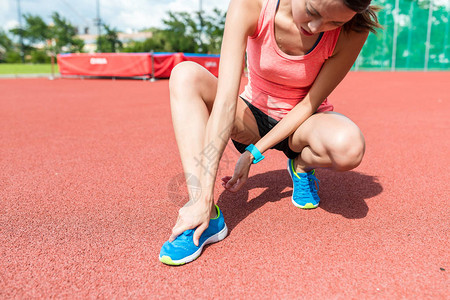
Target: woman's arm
{"x":241,"y":22}
{"x":333,"y":71}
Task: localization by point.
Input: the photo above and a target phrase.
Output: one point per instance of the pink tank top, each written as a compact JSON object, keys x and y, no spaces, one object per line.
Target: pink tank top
{"x":278,"y":81}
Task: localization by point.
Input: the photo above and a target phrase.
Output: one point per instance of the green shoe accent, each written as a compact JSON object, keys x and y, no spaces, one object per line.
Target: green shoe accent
{"x":218,"y":213}
{"x":309,"y":206}
{"x":168,"y":261}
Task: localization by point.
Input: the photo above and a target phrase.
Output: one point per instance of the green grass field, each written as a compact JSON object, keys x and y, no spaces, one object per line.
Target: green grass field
{"x":15,"y":69}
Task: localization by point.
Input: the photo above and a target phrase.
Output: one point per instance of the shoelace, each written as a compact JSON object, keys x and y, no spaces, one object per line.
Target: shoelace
{"x":313,"y":182}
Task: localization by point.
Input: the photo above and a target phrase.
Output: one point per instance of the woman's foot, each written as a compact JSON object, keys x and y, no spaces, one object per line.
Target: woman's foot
{"x":305,"y":187}
{"x":183,"y":250}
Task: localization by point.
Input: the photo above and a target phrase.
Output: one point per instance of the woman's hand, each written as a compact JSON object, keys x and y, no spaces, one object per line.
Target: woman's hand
{"x":195,"y":214}
{"x":240,"y":175}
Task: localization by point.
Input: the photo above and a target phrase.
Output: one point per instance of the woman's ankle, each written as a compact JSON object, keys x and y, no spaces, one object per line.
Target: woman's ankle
{"x":300,"y":166}
{"x":213,"y":214}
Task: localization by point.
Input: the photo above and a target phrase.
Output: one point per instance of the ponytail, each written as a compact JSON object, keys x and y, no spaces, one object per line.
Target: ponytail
{"x":366,"y":20}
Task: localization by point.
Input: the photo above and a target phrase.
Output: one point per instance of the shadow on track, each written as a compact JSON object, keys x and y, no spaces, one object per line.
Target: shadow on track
{"x":342,"y":193}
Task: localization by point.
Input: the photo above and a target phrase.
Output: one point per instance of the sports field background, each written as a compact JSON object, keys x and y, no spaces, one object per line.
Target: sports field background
{"x":415,"y":36}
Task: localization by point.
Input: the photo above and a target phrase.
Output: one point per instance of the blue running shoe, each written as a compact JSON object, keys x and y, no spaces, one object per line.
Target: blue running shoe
{"x":304,"y":193}
{"x":183,"y":250}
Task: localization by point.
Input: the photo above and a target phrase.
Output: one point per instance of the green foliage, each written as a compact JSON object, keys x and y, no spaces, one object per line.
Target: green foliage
{"x":158,"y":43}
{"x":6,"y":46}
{"x":64,"y":35}
{"x":34,"y":31}
{"x":12,"y":57}
{"x":183,"y":32}
{"x":39,"y":57}
{"x":57,"y":38}
{"x":109,"y":42}
{"x":5,"y":41}
{"x":214,"y":28}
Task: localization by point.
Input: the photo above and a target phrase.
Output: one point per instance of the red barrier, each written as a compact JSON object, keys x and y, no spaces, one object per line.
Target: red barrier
{"x":105,"y":64}
{"x":130,"y":64}
{"x":165,"y":62}
{"x":210,"y":62}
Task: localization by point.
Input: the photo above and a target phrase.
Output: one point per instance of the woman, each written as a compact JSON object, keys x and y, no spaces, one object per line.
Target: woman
{"x":297,"y":53}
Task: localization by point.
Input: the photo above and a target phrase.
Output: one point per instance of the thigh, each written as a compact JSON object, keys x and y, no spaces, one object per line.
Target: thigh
{"x":325,"y":133}
{"x":189,"y":80}
{"x":245,"y":130}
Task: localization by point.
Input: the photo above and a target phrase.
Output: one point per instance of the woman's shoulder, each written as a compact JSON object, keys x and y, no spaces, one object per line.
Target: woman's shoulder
{"x":251,"y":5}
{"x":246,"y":12}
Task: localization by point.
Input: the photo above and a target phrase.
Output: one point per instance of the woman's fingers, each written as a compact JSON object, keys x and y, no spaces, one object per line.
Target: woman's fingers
{"x":225,"y":179}
{"x":179,"y":227}
{"x":231,"y":182}
{"x":198,"y":232}
{"x":191,"y":217}
{"x":176,"y":231}
{"x":237,"y":186}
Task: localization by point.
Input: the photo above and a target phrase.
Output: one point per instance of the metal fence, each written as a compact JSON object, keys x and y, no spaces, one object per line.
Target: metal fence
{"x":415,"y":36}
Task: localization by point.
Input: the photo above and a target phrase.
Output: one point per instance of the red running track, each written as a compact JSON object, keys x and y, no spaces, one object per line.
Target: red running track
{"x":89,"y":191}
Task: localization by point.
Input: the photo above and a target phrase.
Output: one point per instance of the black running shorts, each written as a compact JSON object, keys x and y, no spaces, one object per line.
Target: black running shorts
{"x":265,"y":124}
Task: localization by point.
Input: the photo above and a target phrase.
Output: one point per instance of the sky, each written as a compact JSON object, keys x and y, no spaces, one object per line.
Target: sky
{"x":124,"y":15}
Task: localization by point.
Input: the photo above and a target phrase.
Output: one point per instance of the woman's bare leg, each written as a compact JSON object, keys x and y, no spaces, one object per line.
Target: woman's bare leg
{"x":192,"y":93}
{"x":328,"y":140}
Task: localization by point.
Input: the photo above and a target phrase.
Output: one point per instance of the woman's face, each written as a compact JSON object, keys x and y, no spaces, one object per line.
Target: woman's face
{"x":314,"y":16}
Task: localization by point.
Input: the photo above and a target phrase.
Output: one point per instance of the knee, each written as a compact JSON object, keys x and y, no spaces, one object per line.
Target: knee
{"x":348,"y":150}
{"x":183,"y":76}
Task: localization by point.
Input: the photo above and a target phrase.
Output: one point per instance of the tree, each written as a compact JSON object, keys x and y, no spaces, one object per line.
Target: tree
{"x":6,"y":46}
{"x":64,"y":34}
{"x":34,"y":31}
{"x":215,"y":26}
{"x":109,"y":42}
{"x":158,"y":43}
{"x":181,"y":32}
{"x":5,"y":41}
{"x":202,"y":33}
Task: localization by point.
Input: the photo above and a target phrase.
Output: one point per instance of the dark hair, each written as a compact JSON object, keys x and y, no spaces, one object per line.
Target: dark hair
{"x":365,"y":18}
